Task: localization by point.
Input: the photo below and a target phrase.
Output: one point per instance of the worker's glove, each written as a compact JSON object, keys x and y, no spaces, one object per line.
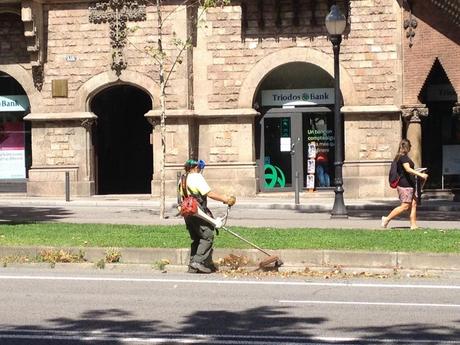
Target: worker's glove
{"x":218,"y":222}
{"x":231,"y":201}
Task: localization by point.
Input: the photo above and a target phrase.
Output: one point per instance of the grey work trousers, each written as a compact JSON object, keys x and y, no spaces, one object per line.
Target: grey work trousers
{"x":202,"y":235}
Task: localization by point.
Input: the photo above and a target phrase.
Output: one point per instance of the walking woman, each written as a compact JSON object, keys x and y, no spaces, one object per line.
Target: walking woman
{"x":406,"y":186}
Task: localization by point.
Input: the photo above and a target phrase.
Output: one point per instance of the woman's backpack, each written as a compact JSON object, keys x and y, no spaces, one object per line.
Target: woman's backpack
{"x":393,"y":176}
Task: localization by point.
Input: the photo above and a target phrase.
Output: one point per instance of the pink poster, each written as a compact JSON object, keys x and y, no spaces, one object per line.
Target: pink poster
{"x":12,"y":136}
{"x":12,"y":153}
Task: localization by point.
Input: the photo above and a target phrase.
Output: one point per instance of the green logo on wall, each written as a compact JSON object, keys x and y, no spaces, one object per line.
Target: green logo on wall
{"x":273,"y":176}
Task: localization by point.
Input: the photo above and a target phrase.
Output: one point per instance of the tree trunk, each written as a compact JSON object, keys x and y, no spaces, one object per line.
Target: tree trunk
{"x":162,"y":114}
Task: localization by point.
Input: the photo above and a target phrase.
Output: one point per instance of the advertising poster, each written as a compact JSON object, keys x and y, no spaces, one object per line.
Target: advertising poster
{"x":311,"y":166}
{"x":285,"y":144}
{"x":310,"y":181}
{"x":311,"y":150}
{"x":12,"y":151}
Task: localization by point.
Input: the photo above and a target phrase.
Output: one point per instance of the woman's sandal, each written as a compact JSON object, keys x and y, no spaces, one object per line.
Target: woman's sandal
{"x":384,"y":222}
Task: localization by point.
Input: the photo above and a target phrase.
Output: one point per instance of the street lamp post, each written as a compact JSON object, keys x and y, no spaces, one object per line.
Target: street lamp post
{"x":335,"y":25}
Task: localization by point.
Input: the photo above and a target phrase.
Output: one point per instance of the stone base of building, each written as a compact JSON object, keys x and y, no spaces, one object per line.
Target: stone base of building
{"x":367,"y":180}
{"x":51,"y":181}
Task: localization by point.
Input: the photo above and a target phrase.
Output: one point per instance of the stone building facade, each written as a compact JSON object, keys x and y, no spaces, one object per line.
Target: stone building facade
{"x":251,"y":96}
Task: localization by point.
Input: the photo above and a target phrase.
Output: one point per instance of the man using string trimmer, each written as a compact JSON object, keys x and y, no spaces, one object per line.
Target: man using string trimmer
{"x":193,"y":191}
{"x":201,"y":223}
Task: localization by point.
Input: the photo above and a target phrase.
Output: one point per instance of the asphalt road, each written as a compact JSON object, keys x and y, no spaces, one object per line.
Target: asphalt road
{"x":101,"y":307}
{"x":239,"y":216}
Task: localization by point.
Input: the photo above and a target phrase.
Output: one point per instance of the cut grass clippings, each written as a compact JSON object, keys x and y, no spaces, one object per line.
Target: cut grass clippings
{"x":134,"y":236}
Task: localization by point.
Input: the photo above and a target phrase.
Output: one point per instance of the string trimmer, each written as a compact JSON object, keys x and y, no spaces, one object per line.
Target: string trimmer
{"x":219,"y":223}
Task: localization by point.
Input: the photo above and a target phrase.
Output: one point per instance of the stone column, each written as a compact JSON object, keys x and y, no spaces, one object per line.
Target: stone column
{"x":412,"y":117}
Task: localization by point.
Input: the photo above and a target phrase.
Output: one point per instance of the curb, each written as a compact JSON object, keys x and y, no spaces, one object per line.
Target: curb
{"x":291,"y":258}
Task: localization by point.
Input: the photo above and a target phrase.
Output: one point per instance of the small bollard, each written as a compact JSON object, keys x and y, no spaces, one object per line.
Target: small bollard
{"x":67,"y":186}
{"x":297,"y":188}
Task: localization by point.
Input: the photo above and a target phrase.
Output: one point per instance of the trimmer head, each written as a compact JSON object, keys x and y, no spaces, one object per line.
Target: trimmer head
{"x":270,"y":260}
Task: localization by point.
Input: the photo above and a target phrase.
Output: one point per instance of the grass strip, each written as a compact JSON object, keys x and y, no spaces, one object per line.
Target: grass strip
{"x":134,"y":236}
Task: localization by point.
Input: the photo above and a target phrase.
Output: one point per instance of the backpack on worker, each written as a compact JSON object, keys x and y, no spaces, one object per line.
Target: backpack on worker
{"x":393,"y":176}
{"x":189,"y":203}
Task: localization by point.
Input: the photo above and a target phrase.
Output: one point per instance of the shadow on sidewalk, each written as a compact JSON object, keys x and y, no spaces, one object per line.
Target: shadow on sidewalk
{"x":25,"y":215}
{"x":421,"y":215}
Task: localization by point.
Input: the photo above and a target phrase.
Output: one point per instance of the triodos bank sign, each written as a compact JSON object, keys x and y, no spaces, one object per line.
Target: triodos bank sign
{"x":297,"y":97}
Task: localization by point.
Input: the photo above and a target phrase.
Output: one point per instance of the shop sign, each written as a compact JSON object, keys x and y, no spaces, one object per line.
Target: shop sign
{"x":14,"y":103}
{"x":297,"y":97}
{"x":441,"y":92}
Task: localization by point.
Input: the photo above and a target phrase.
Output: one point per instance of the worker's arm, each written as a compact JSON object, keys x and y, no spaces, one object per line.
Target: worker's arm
{"x":218,"y":197}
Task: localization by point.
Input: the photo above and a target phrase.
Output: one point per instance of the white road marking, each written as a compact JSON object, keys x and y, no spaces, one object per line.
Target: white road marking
{"x":237,"y":339}
{"x":232,"y":282}
{"x":432,"y":305}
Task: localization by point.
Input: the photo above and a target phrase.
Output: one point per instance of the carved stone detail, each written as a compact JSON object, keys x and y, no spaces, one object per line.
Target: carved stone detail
{"x":410,"y":24}
{"x":414,"y":113}
{"x":278,"y":20}
{"x":296,"y":12}
{"x":32,"y":17}
{"x":38,"y":76}
{"x":244,"y":17}
{"x":117,"y":13}
{"x":313,"y":20}
{"x":260,"y":10}
{"x":152,"y":121}
{"x":88,"y":124}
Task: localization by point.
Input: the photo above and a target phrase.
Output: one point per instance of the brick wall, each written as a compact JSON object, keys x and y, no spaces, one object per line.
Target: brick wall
{"x":435,"y":37}
{"x":369,"y":52}
{"x":69,"y":32}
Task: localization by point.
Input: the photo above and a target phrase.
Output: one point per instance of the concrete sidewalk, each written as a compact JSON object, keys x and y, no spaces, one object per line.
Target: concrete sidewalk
{"x":268,"y":210}
{"x":311,"y":202}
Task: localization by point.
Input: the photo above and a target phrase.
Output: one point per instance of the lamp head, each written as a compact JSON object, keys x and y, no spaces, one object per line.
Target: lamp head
{"x":335,"y":21}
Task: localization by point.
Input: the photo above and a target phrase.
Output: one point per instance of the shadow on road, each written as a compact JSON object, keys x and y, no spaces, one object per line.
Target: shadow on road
{"x":115,"y":326}
{"x":266,"y":321}
{"x":263,"y":325}
{"x":424,"y":333}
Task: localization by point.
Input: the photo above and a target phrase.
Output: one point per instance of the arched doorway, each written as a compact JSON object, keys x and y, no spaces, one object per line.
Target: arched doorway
{"x":440,"y":129}
{"x":124,"y":155}
{"x":15,"y":139}
{"x":295,"y":132}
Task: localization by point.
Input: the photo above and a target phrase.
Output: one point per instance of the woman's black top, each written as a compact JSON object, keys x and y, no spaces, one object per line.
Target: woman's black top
{"x":407,"y":180}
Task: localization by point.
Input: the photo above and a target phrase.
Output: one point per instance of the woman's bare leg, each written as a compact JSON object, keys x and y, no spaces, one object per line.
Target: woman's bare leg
{"x":413,"y":215}
{"x":395,"y":212}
